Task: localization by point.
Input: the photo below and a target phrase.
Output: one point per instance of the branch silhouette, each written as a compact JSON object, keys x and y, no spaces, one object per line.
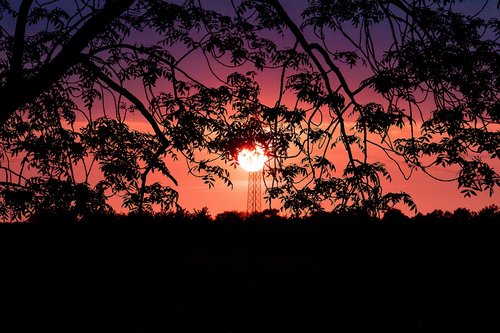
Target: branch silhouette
{"x":71,"y":75}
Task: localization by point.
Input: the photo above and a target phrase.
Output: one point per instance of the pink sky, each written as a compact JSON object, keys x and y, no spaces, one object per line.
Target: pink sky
{"x":428,"y":194}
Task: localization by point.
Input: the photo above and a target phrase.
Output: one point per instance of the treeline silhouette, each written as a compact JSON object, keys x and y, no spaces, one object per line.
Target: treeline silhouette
{"x":487,"y":215}
{"x":188,"y":271}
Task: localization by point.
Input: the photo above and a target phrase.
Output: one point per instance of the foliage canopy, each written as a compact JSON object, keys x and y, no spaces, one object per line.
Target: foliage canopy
{"x":75,"y":75}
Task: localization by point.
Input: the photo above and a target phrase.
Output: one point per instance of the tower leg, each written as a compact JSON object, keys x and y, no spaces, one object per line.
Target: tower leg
{"x":254,"y":197}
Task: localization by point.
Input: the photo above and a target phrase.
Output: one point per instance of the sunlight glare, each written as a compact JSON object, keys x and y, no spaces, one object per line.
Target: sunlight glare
{"x":252,"y":160}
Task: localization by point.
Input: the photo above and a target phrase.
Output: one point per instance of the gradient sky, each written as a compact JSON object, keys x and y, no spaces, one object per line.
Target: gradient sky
{"x":427,"y":193}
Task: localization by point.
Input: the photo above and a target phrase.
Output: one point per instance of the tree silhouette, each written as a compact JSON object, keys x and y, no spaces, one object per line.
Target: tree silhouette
{"x":73,"y":74}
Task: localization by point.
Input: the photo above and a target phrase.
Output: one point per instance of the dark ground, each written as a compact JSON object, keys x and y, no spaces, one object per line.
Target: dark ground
{"x":239,"y":278}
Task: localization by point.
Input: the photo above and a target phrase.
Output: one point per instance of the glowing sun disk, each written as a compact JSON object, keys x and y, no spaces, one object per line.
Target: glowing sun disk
{"x":252,"y":160}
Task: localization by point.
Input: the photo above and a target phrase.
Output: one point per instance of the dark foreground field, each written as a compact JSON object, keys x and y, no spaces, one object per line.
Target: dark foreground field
{"x":247,"y":277}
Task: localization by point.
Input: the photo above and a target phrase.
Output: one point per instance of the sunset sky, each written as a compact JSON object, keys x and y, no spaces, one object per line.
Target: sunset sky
{"x":428,"y":194}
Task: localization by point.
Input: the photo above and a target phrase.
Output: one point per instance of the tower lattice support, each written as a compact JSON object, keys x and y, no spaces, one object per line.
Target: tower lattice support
{"x":254,"y":198}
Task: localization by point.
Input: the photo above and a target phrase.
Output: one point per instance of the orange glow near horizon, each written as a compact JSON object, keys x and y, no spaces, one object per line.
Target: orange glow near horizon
{"x":252,"y":160}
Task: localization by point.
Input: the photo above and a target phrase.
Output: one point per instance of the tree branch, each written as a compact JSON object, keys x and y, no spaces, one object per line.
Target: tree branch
{"x":134,"y":100}
{"x":15,"y":94}
{"x":16,"y":60}
{"x":309,"y":50}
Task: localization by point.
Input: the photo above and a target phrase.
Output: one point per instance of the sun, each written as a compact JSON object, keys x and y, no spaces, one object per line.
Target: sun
{"x":252,"y":160}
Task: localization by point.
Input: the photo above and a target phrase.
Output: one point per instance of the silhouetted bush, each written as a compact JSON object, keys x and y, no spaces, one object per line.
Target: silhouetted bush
{"x":395,"y":216}
{"x":184,"y":267}
{"x":230,"y":217}
{"x":201,"y":215}
{"x":462,"y":215}
{"x":487,"y":215}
